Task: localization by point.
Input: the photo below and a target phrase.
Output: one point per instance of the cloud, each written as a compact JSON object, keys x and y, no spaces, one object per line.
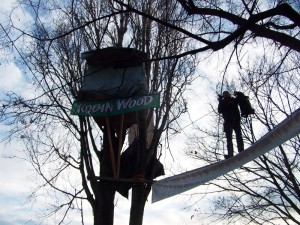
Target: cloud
{"x":10,"y":77}
{"x":19,"y":17}
{"x":14,"y":191}
{"x":6,"y":4}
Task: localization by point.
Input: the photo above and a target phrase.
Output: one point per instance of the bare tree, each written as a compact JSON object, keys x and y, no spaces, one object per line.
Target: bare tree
{"x":169,"y":32}
{"x":61,"y":146}
{"x":265,"y":191}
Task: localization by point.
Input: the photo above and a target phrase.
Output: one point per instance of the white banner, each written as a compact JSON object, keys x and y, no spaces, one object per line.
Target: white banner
{"x":177,"y":184}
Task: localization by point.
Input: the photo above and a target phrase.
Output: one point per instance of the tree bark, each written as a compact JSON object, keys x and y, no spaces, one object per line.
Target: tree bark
{"x":139,"y":189}
{"x":140,"y":193}
{"x":104,"y":209}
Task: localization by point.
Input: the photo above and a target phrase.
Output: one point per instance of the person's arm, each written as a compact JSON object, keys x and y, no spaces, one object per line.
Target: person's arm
{"x":220,"y":107}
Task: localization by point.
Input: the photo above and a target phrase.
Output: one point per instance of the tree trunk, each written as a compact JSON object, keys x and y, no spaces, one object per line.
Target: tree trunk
{"x":140,"y":193}
{"x":104,"y":209}
{"x":140,"y":190}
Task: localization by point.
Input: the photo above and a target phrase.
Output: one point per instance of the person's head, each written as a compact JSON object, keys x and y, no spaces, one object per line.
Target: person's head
{"x":226,"y":94}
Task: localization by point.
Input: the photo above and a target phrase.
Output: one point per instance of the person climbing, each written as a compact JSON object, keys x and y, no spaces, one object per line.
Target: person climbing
{"x":228,"y":107}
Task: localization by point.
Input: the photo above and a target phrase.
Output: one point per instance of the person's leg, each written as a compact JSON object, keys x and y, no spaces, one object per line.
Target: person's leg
{"x":239,"y":137}
{"x":228,"y":132}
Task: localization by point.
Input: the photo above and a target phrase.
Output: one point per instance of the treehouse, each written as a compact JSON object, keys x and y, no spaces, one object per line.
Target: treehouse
{"x":113,"y":74}
{"x":114,"y":93}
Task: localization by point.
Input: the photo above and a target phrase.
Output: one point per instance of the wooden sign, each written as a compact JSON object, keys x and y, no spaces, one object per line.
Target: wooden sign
{"x":114,"y":107}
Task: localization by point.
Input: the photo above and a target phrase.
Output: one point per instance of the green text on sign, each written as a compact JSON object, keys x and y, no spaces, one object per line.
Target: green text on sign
{"x":115,"y":106}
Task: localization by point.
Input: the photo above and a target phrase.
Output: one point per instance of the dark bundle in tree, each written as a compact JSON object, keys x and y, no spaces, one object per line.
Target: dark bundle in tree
{"x":244,"y":104}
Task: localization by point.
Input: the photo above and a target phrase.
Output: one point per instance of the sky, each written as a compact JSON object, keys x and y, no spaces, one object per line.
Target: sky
{"x":13,"y":172}
{"x":17,"y":177}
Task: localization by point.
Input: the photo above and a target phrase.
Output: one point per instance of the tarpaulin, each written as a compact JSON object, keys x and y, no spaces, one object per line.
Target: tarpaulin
{"x":177,"y":184}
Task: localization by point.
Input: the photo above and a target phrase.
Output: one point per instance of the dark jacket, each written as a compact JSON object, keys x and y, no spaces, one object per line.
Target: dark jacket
{"x":229,"y":108}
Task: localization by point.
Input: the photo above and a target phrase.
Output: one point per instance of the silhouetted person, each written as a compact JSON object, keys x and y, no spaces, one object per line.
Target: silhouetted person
{"x":228,"y":107}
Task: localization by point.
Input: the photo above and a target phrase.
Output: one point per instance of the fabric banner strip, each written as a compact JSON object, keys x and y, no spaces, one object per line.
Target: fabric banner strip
{"x":114,"y":107}
{"x":168,"y":187}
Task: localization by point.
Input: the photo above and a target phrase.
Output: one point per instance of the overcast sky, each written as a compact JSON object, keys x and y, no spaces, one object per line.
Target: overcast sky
{"x":17,"y":177}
